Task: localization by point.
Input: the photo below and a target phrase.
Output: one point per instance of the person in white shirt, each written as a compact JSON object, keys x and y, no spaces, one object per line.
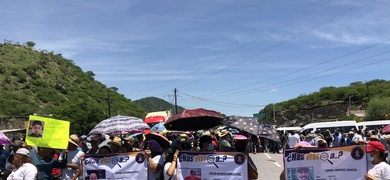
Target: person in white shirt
{"x":376,"y":155}
{"x":73,"y":168}
{"x":357,"y":135}
{"x":153,"y":154}
{"x":25,"y":169}
{"x":293,"y":139}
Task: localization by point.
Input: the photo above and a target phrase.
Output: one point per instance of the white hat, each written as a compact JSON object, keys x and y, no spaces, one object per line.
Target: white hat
{"x":23,"y":151}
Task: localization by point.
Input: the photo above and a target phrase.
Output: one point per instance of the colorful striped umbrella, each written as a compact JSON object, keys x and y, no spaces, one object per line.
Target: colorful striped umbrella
{"x":119,"y":124}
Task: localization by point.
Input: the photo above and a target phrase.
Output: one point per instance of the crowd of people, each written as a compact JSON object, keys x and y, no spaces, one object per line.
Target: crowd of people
{"x":23,"y":162}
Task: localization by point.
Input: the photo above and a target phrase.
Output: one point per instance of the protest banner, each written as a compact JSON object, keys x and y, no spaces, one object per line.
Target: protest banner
{"x":131,"y":165}
{"x":212,"y":165}
{"x":347,"y":162}
{"x":47,"y":132}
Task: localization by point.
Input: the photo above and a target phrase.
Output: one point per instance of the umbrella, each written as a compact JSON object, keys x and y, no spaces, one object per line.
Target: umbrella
{"x":386,"y":129}
{"x":192,"y":120}
{"x":119,"y":124}
{"x":4,"y":139}
{"x":247,"y":124}
{"x":158,"y":128}
{"x":269,"y":132}
{"x":161,"y":139}
{"x":253,"y":126}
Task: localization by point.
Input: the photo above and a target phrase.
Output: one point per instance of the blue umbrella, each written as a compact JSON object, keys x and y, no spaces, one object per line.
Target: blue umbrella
{"x":159,"y":127}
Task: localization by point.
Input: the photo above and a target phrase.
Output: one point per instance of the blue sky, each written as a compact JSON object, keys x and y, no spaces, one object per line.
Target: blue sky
{"x":229,"y":56}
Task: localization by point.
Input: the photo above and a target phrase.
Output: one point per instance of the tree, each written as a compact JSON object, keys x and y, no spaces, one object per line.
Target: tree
{"x":377,"y":108}
{"x":30,"y":44}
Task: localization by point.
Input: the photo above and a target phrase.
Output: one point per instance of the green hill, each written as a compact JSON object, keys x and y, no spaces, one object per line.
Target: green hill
{"x":45,"y":83}
{"x":331,"y":103}
{"x":153,"y":104}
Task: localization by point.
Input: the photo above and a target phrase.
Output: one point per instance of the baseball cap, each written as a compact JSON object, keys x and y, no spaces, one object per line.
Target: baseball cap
{"x":23,"y":151}
{"x":375,"y":146}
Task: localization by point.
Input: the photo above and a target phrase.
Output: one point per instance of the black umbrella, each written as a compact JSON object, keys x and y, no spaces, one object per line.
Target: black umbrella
{"x":192,"y":120}
{"x":253,"y":126}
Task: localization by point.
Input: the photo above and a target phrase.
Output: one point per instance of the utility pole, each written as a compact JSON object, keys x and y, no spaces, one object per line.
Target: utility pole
{"x":109,"y":103}
{"x":175,"y":100}
{"x":368,"y":92}
{"x":350,"y":103}
{"x":274,"y":113}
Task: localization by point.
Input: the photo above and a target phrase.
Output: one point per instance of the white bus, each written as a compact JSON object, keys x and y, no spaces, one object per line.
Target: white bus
{"x":322,"y":126}
{"x":373,"y":124}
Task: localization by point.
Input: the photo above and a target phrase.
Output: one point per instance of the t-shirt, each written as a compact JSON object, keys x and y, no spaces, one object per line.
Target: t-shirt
{"x":45,"y":165}
{"x":380,"y":171}
{"x":26,"y":172}
{"x":292,"y":140}
{"x":159,"y":160}
{"x":73,"y":158}
{"x":166,"y":167}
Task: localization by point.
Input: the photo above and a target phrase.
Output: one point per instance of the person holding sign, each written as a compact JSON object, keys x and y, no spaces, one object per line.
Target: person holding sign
{"x":153,"y":154}
{"x":24,"y":167}
{"x":74,"y":156}
{"x":376,"y":154}
{"x":36,"y":129}
{"x":45,"y":164}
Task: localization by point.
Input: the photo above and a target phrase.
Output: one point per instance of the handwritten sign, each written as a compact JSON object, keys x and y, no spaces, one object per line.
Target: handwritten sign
{"x":47,"y":132}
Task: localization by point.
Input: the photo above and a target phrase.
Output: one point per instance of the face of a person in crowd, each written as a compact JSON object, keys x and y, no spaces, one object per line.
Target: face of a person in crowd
{"x":93,"y":176}
{"x":44,"y":152}
{"x":17,"y":160}
{"x":302,"y":174}
{"x":36,"y":129}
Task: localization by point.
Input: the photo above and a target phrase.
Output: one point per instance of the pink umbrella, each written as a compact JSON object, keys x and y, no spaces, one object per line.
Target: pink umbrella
{"x":4,"y":139}
{"x":240,"y":137}
{"x":386,"y":129}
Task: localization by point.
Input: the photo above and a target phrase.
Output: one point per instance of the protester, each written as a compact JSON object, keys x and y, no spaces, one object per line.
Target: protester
{"x":205,"y":143}
{"x":376,"y":155}
{"x":95,"y":141}
{"x":183,"y":144}
{"x":44,"y":163}
{"x":240,"y":145}
{"x":84,"y":143}
{"x":224,"y":141}
{"x":74,"y":156}
{"x":104,"y":148}
{"x":293,"y":139}
{"x":153,"y":154}
{"x":115,"y":144}
{"x":3,"y":159}
{"x":132,"y":142}
{"x":9,"y":166}
{"x":24,"y":169}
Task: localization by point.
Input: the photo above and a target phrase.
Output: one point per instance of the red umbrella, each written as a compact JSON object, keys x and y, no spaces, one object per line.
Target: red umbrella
{"x":386,"y":129}
{"x":192,"y":120}
{"x":162,"y":140}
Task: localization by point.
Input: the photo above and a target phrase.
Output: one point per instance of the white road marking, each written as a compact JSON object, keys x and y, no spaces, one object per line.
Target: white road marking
{"x":266,"y":154}
{"x":277,"y":164}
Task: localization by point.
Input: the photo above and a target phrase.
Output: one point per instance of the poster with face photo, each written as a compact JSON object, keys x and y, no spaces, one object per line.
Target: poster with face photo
{"x":348,"y":162}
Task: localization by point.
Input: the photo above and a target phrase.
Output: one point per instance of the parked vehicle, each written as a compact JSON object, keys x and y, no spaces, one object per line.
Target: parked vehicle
{"x":373,"y":124}
{"x":322,"y":126}
{"x":288,"y":129}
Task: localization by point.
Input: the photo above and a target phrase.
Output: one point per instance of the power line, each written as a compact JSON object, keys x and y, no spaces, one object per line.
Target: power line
{"x":287,"y":40}
{"x":248,"y":44}
{"x":303,"y":69}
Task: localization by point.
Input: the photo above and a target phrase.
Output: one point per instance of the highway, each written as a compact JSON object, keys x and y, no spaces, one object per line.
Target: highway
{"x":269,"y":165}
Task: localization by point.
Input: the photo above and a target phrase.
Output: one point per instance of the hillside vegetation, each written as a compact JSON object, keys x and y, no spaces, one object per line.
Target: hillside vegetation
{"x":47,"y":84}
{"x":332,"y":103}
{"x":153,"y":104}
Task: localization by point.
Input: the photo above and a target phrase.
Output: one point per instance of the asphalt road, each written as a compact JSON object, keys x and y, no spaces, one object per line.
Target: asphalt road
{"x":269,"y":166}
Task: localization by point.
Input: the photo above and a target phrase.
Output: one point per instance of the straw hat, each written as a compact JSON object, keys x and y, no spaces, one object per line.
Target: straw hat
{"x":74,"y":139}
{"x":223,"y":133}
{"x":116,"y":141}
